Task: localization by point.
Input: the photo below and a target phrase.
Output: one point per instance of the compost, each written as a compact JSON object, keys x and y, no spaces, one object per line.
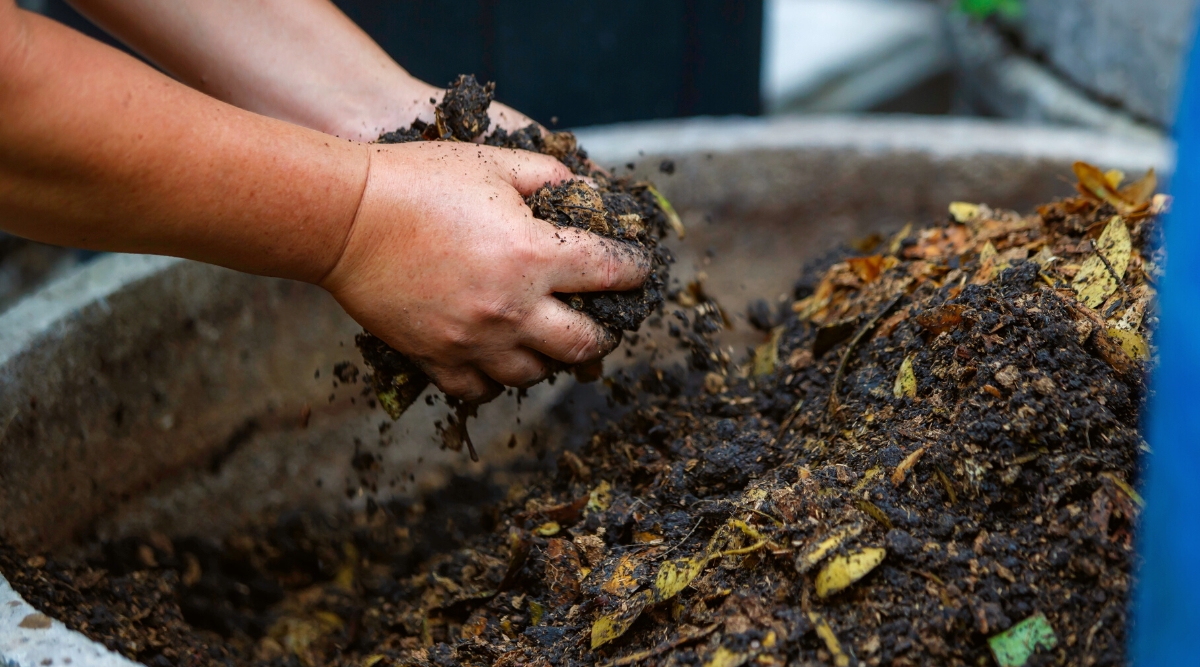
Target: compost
{"x":930,"y":459}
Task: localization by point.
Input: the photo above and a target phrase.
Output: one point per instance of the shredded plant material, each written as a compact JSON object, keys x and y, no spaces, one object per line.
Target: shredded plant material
{"x":931,"y":460}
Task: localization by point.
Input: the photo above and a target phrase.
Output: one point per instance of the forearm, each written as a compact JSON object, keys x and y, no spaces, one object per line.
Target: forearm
{"x":99,"y":151}
{"x":302,"y":61}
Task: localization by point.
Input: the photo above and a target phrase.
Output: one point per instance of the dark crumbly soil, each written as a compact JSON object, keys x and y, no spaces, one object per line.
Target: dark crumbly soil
{"x":702,"y":526}
{"x":616,"y":208}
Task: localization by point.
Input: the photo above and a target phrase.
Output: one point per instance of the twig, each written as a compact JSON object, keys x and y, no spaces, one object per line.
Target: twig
{"x":837,"y":377}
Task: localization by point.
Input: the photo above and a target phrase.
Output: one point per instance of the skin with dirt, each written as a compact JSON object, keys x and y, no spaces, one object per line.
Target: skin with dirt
{"x":618,"y":208}
{"x":938,"y":442}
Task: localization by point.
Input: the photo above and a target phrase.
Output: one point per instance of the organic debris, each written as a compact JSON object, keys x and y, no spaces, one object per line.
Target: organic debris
{"x":948,"y":480}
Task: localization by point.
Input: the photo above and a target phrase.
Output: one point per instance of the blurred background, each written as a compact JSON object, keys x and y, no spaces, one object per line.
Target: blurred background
{"x":1110,"y":65}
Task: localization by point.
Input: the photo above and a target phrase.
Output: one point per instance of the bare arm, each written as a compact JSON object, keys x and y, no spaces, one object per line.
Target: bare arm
{"x":429,"y":245}
{"x":302,"y":61}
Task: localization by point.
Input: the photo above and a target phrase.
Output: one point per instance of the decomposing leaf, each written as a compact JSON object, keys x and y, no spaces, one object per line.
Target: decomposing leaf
{"x":906,"y":380}
{"x":1096,"y":280}
{"x":622,"y":582}
{"x":906,"y":465}
{"x":548,"y":529}
{"x":963,"y":212}
{"x":1014,"y":646}
{"x":1125,"y":487}
{"x":941,"y":319}
{"x":808,"y":559}
{"x":673,"y":218}
{"x":536,"y":612}
{"x":600,"y":497}
{"x":898,"y":239}
{"x":841,"y":571}
{"x":612,"y":625}
{"x":872,"y":510}
{"x":727,"y":657}
{"x":1132,"y":342}
{"x":840,"y":659}
{"x":766,"y":356}
{"x":868,"y":269}
{"x":1094,"y":183}
{"x":674,"y":576}
{"x":1140,"y":191}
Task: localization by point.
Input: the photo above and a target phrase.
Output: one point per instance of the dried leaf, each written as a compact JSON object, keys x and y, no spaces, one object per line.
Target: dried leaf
{"x":600,"y":497}
{"x":1125,"y":487}
{"x":675,"y":575}
{"x":868,"y":268}
{"x":906,"y":380}
{"x":906,"y":465}
{"x":611,"y":626}
{"x":1094,"y":183}
{"x":874,"y":512}
{"x":1014,"y":646}
{"x":548,"y":529}
{"x":673,"y":218}
{"x":963,"y":212}
{"x":766,"y":356}
{"x":898,"y":239}
{"x":536,"y":612}
{"x":1095,"y":282}
{"x":941,"y":319}
{"x":807,"y":560}
{"x":1131,"y":342}
{"x":843,"y":571}
{"x":622,"y":581}
{"x":840,"y":659}
{"x":1140,"y":192}
{"x":726,"y":657}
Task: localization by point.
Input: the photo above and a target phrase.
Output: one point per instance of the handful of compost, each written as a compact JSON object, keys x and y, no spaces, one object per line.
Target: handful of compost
{"x":630,"y":212}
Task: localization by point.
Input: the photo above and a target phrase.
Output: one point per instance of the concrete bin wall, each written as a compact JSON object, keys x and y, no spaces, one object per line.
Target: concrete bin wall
{"x":144,"y":393}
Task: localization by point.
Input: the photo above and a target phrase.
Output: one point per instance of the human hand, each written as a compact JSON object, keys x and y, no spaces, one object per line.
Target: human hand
{"x":447,"y":264}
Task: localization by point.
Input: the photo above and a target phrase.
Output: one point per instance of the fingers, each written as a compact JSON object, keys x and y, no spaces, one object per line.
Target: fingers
{"x":527,"y":172}
{"x":462,"y":382}
{"x":559,"y":332}
{"x":583,"y":262}
{"x":516,"y":368}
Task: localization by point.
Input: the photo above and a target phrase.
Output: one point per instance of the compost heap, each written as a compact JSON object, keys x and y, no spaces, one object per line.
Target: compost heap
{"x":631,"y":212}
{"x":930,"y":460}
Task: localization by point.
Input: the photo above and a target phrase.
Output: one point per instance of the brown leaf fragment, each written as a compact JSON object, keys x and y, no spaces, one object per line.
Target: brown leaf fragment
{"x":941,"y":319}
{"x":563,"y":571}
{"x":867,"y":268}
{"x":993,"y":391}
{"x":906,"y":465}
{"x":1139,"y":192}
{"x":1094,"y":183}
{"x":1008,"y":377}
{"x":592,"y":549}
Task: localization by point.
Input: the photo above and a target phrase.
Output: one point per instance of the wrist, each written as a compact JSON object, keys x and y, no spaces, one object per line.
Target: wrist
{"x":392,"y":101}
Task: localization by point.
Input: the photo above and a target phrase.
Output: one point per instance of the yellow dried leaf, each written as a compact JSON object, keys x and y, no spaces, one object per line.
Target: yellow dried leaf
{"x":600,"y":497}
{"x":1131,"y":342}
{"x":622,"y":581}
{"x":1114,"y":177}
{"x":766,"y":356}
{"x":842,"y":571}
{"x":906,"y":465}
{"x":673,"y":218}
{"x":611,"y":626}
{"x":548,"y":529}
{"x":906,"y":380}
{"x":1095,"y":183}
{"x":811,"y":557}
{"x":894,"y":244}
{"x":647,"y":537}
{"x":372,"y":659}
{"x":1095,"y":283}
{"x":536,"y":612}
{"x":963,"y":212}
{"x":840,"y":659}
{"x":675,"y":575}
{"x":1140,"y":191}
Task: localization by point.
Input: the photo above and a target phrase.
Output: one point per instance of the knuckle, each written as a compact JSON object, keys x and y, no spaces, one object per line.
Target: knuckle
{"x":584,"y":347}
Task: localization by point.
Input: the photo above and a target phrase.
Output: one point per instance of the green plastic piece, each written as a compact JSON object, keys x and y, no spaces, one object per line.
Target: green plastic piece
{"x":1013,"y":647}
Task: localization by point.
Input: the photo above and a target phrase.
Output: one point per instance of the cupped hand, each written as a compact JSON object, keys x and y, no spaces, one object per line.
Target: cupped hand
{"x":447,"y":264}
